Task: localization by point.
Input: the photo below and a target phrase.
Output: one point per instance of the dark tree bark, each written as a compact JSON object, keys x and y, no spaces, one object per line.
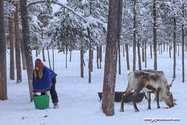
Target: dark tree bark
{"x":82,"y":62}
{"x":70,"y":55}
{"x":145,"y":54}
{"x":23,"y":54}
{"x":174,"y":50}
{"x":66,"y":57}
{"x":43,"y":53}
{"x":127,"y":56}
{"x":36,"y":51}
{"x":11,"y":49}
{"x":178,"y":49}
{"x":119,"y":57}
{"x":3,"y":72}
{"x":114,"y":27}
{"x":170,"y":48}
{"x":49,"y":60}
{"x":89,"y":64}
{"x":123,"y":51}
{"x":151,"y":51}
{"x":26,"y":44}
{"x":17,"y":45}
{"x":183,"y":78}
{"x":143,"y":48}
{"x":92,"y":60}
{"x":139,"y":57}
{"x":53,"y":59}
{"x":154,"y":34}
{"x":100,"y":55}
{"x":134,"y":43}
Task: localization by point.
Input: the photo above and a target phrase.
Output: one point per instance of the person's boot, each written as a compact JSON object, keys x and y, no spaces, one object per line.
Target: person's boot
{"x":55,"y":105}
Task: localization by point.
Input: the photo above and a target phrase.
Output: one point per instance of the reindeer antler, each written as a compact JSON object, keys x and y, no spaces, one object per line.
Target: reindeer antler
{"x":171,"y":83}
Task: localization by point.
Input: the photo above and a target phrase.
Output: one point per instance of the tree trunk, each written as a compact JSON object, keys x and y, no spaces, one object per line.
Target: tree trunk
{"x":43,"y":53}
{"x":145,"y":55}
{"x":92,"y":61}
{"x":53,"y":60}
{"x":134,"y":43}
{"x":114,"y":24}
{"x":127,"y":56}
{"x":174,"y":50}
{"x":23,"y":54}
{"x":11,"y":49}
{"x":49,"y":57}
{"x":119,"y":57}
{"x":178,"y":49}
{"x":97,"y":57}
{"x":123,"y":51}
{"x":36,"y":51}
{"x":3,"y":72}
{"x":151,"y":51}
{"x":82,"y":62}
{"x":100,"y":55}
{"x":17,"y":45}
{"x":70,"y":56}
{"x":27,"y":44}
{"x":154,"y":35}
{"x":170,"y":47}
{"x":143,"y":58}
{"x":66,"y":57}
{"x":183,"y":78}
{"x":89,"y":64}
{"x":139,"y":57}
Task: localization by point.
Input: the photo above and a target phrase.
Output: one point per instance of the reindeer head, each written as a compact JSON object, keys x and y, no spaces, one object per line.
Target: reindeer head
{"x":168,"y":99}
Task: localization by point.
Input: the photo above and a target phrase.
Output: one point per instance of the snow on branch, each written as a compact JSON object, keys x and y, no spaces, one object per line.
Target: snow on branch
{"x":54,"y":2}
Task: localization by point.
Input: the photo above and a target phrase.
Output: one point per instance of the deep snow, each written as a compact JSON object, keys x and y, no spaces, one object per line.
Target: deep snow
{"x":79,"y":102}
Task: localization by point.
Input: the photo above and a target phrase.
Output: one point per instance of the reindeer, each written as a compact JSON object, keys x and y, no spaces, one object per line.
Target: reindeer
{"x":147,"y":82}
{"x":161,"y":73}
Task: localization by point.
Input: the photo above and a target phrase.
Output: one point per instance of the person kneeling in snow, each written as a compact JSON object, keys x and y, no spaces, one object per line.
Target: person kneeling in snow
{"x":44,"y":79}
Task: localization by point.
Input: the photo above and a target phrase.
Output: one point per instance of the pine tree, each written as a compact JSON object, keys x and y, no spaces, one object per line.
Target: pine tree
{"x":114,"y":24}
{"x":27,"y":44}
{"x":3,"y":72}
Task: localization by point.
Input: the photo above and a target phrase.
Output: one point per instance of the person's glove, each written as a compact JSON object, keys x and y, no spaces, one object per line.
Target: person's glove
{"x":47,"y":93}
{"x":34,"y":94}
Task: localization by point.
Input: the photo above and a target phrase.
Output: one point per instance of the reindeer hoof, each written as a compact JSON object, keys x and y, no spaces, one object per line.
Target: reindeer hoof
{"x":121,"y":110}
{"x":149,"y":108}
{"x":137,"y":110}
{"x":158,"y":107}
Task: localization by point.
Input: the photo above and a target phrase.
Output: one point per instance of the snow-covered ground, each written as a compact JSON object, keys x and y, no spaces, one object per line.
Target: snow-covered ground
{"x":79,"y":103}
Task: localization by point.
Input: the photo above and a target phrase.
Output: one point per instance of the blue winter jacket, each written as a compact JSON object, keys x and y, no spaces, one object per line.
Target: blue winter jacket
{"x":44,"y":84}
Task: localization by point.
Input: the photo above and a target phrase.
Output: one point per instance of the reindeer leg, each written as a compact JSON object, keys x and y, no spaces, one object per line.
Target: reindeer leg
{"x":123,"y":98}
{"x":157,"y":97}
{"x":149,"y":100}
{"x":146,"y":96}
{"x":135,"y":93}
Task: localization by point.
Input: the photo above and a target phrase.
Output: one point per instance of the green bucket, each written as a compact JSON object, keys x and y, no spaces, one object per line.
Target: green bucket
{"x":41,"y":102}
